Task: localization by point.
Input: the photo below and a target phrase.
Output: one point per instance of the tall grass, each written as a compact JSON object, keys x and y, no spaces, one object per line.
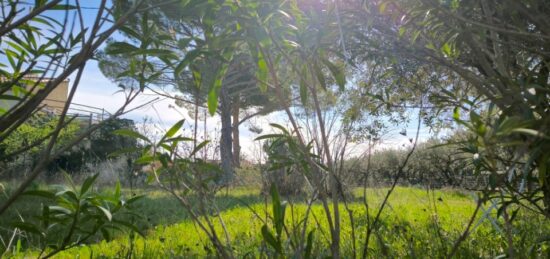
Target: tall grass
{"x":417,"y":224}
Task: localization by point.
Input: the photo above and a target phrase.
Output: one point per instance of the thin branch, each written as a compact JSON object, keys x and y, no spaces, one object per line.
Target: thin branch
{"x":466,"y":231}
{"x":400,"y":173}
{"x":28,"y":17}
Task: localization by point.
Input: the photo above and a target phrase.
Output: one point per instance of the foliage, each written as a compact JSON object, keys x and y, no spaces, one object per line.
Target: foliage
{"x":435,"y":163}
{"x":44,"y":43}
{"x":199,"y":58}
{"x":96,"y":149}
{"x":33,"y":132}
{"x":104,"y":141}
{"x":421,"y":224}
{"x":489,"y":51}
{"x":481,"y":66}
{"x":274,"y":237}
{"x":22,"y":149}
{"x":75,"y":216}
{"x":282,"y":168}
{"x":182,"y":174}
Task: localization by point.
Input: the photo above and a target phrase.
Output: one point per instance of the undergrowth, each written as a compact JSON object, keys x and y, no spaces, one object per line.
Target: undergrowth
{"x":417,"y":224}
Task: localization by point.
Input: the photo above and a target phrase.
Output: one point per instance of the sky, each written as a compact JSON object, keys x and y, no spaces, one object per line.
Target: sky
{"x":98,"y":91}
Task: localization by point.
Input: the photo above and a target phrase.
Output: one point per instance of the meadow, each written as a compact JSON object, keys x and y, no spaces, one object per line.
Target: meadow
{"x":417,"y":223}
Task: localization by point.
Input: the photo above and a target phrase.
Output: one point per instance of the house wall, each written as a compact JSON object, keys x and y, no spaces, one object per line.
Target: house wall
{"x":57,"y":98}
{"x":54,"y":102}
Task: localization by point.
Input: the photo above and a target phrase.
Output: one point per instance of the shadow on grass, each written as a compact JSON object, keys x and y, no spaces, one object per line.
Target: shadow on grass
{"x":154,"y":209}
{"x":167,"y":210}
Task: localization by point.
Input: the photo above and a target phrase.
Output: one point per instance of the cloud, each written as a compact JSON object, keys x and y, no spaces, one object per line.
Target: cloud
{"x":95,"y":90}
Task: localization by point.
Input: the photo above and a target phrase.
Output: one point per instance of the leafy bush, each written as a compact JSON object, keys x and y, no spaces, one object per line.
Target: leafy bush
{"x":435,"y":163}
{"x":21,"y":149}
{"x":96,"y":149}
{"x":71,"y":216}
{"x":280,"y":172}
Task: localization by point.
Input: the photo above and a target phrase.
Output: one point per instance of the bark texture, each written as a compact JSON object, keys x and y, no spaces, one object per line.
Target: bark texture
{"x":236,"y":141}
{"x":226,"y":149}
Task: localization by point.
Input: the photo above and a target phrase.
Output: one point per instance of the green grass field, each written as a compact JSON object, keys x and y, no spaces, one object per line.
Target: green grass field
{"x":416,"y":224}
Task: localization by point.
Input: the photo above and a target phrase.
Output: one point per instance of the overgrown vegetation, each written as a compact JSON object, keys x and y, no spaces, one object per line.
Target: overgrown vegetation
{"x":341,"y":74}
{"x":421,"y":223}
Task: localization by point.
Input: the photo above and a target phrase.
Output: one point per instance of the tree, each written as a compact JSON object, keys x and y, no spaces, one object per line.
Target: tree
{"x":498,"y":50}
{"x":97,"y":148}
{"x":44,"y":44}
{"x":31,"y":134}
{"x":199,"y":35}
{"x":291,"y":44}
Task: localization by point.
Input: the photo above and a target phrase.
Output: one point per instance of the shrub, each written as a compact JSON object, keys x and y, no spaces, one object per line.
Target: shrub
{"x":287,"y":177}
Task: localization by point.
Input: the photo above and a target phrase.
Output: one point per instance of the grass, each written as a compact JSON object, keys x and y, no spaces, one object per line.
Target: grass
{"x":416,"y":224}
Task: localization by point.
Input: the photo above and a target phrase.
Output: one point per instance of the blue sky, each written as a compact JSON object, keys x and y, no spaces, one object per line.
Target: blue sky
{"x":98,"y":91}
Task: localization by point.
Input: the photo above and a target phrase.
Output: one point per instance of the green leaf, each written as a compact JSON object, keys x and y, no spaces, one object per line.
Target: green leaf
{"x":303,"y":86}
{"x":155,"y":52}
{"x":177,"y":139}
{"x":199,"y":147}
{"x":87,"y":184}
{"x":9,"y":97}
{"x":281,"y":128}
{"x":320,"y":76}
{"x":105,"y":233}
{"x":45,"y":216}
{"x":69,"y":180}
{"x":270,"y":239}
{"x":134,"y":199}
{"x":106,"y":212}
{"x":456,"y":114}
{"x":262,"y":72}
{"x":278,"y":210}
{"x":28,"y":227}
{"x":63,"y":7}
{"x":337,"y":72}
{"x":269,"y":136}
{"x":530,"y":132}
{"x":309,"y":245}
{"x":130,"y":226}
{"x":39,"y":3}
{"x":39,"y":193}
{"x":18,"y":246}
{"x":130,"y":32}
{"x":402,"y":31}
{"x":475,"y":118}
{"x":215,"y":90}
{"x":131,"y":133}
{"x":197,"y":77}
{"x":189,"y":58}
{"x":212,"y":101}
{"x":446,"y":49}
{"x":144,"y":160}
{"x":117,"y":189}
{"x":119,"y":47}
{"x":173,"y":130}
{"x":59,"y":209}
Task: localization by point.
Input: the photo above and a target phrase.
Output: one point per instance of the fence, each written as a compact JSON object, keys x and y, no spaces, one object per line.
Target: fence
{"x":85,"y":113}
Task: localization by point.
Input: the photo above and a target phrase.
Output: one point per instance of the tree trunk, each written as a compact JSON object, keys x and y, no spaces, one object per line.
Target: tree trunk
{"x":226,"y":151}
{"x":205,"y":136}
{"x":236,"y":141}
{"x":196,"y":122}
{"x":546,"y":193}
